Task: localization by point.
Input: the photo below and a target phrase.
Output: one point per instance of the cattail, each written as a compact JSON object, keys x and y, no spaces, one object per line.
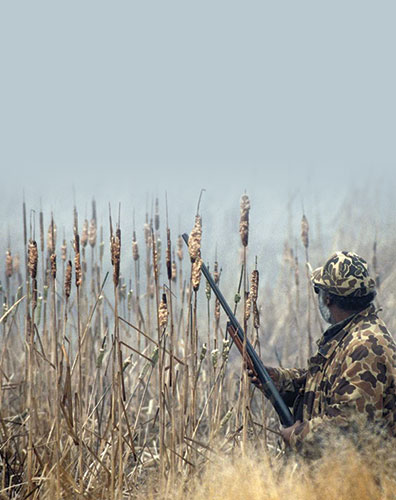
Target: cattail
{"x":196,"y":273}
{"x":8,"y":264}
{"x":226,"y":349}
{"x":174,"y":271}
{"x":208,"y":290}
{"x":215,"y":356}
{"x":180,"y":248}
{"x":116,"y":255}
{"x":194,"y":241}
{"x":216,"y":272}
{"x":147,"y":233}
{"x":244,"y":220}
{"x":32,"y":259}
{"x":130,"y":300}
{"x":217,"y":311}
{"x":51,"y":237}
{"x":304,"y":231}
{"x":64,"y":251}
{"x":68,"y":279}
{"x":101,"y":244}
{"x":135,"y":248}
{"x":156,"y":217}
{"x":254,"y":284}
{"x":163,"y":312}
{"x":77,"y":262}
{"x":92,"y":233}
{"x":34,"y":294}
{"x":155,"y":259}
{"x":203,"y":352}
{"x":296,"y":272}
{"x":168,"y":254}
{"x":53,"y":265}
{"x":16,"y":265}
{"x":84,"y":233}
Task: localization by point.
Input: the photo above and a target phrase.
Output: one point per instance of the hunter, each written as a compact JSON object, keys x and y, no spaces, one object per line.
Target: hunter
{"x":351,"y":380}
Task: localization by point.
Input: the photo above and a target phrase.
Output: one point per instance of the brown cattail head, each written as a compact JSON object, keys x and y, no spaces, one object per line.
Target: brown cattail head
{"x":115,"y":247}
{"x":135,"y":248}
{"x":296,"y":272}
{"x":217,"y":312}
{"x":168,"y":254}
{"x":194,"y":241}
{"x":84,"y":233}
{"x":8,"y":264}
{"x":53,"y":265}
{"x":254,"y":284}
{"x":174,"y":271}
{"x":147,"y":234}
{"x":92,"y":232}
{"x":244,"y":221}
{"x":16,"y":264}
{"x":163,"y":312}
{"x":180,"y":248}
{"x":32,"y":259}
{"x":51,"y":237}
{"x":156,"y":216}
{"x":77,"y":260}
{"x":304,"y":231}
{"x":248,"y":306}
{"x":64,"y":250}
{"x":68,"y":279}
{"x":216,"y":272}
{"x":196,"y":273}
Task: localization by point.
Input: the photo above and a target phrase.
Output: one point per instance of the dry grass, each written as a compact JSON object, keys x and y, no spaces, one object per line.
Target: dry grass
{"x":131,"y":390}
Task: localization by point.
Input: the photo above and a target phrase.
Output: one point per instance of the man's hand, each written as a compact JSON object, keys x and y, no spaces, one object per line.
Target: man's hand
{"x":288,"y":431}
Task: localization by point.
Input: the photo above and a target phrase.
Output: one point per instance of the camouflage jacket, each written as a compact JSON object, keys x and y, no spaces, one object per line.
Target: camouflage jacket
{"x":352,"y":377}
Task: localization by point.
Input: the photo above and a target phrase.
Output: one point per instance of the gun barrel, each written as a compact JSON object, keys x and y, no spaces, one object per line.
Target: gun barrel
{"x":270,"y":390}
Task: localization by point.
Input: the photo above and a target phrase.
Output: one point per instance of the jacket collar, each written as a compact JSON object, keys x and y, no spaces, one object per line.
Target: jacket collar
{"x":335,"y":333}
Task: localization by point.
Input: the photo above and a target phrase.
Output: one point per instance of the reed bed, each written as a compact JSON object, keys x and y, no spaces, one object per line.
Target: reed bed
{"x":122,"y":383}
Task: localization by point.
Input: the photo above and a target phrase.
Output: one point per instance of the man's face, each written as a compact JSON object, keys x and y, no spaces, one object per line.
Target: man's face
{"x":323,"y":307}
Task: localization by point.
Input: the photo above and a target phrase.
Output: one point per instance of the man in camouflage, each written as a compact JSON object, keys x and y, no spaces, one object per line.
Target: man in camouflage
{"x":350,"y":382}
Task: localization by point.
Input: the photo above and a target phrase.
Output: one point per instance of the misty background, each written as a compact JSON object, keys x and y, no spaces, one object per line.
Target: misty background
{"x":292,"y":102}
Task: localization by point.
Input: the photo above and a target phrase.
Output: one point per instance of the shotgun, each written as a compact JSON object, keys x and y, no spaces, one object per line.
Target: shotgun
{"x":252,"y":360}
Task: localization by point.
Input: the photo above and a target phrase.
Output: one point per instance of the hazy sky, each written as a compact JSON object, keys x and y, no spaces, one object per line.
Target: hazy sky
{"x":125,"y":98}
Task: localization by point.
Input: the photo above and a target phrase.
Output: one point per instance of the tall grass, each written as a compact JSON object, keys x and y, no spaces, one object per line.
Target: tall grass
{"x":123,"y":392}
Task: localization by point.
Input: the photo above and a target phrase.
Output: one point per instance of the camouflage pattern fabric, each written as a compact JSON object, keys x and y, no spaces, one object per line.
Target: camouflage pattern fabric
{"x":345,"y":274}
{"x":351,"y":379}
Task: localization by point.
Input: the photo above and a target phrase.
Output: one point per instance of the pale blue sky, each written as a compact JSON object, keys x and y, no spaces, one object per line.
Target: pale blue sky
{"x":121,"y":98}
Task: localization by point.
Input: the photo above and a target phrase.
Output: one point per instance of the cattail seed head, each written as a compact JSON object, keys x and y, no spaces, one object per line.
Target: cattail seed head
{"x":32,"y":259}
{"x":135,"y":248}
{"x":305,"y":231}
{"x":51,"y":237}
{"x":156,"y":216}
{"x":42,"y":231}
{"x":77,"y":261}
{"x":84,"y":233}
{"x":16,"y":265}
{"x":163,"y":312}
{"x":180,"y":248}
{"x":194,"y":241}
{"x":244,"y":220}
{"x":217,"y":311}
{"x":53,"y":265}
{"x":8,"y":264}
{"x":68,"y":279}
{"x":168,"y":254}
{"x":196,"y":273}
{"x":216,"y":272}
{"x":115,"y":248}
{"x":64,"y":251}
{"x":92,"y":233}
{"x":174,"y":271}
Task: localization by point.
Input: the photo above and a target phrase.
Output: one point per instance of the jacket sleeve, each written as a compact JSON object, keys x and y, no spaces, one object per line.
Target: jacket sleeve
{"x":288,"y":382}
{"x":355,"y":397}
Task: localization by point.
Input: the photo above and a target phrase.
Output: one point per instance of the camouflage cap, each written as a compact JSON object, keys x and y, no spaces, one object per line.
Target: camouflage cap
{"x":345,"y":274}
